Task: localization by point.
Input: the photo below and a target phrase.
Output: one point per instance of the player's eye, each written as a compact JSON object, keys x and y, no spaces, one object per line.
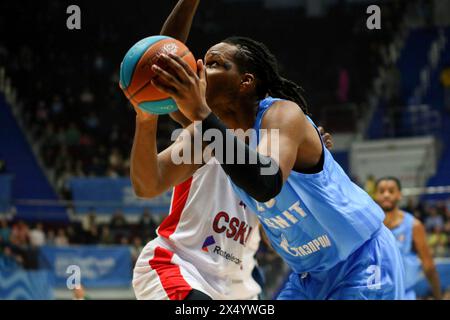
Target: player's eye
{"x":212,"y":64}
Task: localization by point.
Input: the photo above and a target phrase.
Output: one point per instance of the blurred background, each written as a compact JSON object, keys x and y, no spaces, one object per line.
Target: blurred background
{"x":66,"y":128}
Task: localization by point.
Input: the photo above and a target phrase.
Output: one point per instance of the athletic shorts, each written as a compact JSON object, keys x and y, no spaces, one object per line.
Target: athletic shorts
{"x":161,"y":274}
{"x":373,"y":272}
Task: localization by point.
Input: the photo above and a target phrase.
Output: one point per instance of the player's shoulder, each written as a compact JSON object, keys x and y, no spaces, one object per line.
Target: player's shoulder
{"x":417,"y":225}
{"x":411,"y":217}
{"x":283,"y":112}
{"x":286,"y":105}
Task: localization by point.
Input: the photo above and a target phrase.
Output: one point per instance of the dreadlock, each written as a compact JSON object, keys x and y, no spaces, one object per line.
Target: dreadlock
{"x":254,"y":57}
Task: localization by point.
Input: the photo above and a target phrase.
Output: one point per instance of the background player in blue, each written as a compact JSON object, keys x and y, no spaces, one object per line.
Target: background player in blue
{"x":326,"y":228}
{"x":410,"y":235}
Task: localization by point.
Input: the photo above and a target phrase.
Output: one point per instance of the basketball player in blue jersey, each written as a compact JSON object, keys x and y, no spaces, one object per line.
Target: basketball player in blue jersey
{"x":327,"y":229}
{"x":410,"y":235}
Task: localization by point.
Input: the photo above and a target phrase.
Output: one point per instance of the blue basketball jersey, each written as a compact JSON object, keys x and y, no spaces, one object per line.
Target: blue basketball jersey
{"x":317,"y":220}
{"x":403,"y":233}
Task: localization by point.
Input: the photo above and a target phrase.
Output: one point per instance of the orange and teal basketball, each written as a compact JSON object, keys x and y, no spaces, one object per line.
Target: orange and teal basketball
{"x":136,"y":73}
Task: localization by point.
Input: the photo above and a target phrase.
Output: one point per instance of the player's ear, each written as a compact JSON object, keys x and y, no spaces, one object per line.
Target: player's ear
{"x":248,"y":82}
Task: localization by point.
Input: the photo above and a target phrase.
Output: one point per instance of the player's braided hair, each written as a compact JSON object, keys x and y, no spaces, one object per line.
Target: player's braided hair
{"x":254,"y":57}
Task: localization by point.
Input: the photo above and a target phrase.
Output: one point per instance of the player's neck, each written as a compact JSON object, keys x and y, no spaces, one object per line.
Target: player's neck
{"x":393,"y":217}
{"x":237,"y":116}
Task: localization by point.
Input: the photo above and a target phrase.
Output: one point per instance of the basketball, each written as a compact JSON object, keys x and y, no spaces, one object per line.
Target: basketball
{"x":136,"y":73}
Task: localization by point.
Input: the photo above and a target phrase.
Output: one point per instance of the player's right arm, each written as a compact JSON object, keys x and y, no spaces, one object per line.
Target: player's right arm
{"x":152,"y":173}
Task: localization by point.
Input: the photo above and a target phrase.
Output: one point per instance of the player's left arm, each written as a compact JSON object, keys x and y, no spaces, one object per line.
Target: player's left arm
{"x":284,"y":126}
{"x":178,"y":25}
{"x":424,"y":253}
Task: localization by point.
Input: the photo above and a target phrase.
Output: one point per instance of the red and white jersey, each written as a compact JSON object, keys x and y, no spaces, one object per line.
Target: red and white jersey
{"x":209,"y":235}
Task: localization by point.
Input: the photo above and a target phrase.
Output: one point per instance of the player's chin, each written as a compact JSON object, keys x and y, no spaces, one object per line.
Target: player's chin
{"x":387,"y":207}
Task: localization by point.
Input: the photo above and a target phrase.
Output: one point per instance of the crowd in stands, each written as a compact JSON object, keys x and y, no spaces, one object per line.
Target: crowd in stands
{"x":20,"y":241}
{"x":436,"y":219}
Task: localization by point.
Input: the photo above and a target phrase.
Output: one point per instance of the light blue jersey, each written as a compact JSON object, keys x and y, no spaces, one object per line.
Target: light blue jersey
{"x":319,"y":220}
{"x":403,"y":233}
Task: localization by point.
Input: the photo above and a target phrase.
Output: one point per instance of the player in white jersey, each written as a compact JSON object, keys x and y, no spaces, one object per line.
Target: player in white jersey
{"x":207,"y":243}
{"x":206,"y":246}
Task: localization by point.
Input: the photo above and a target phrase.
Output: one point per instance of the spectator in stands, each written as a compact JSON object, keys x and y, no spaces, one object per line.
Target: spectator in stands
{"x":124,"y":241}
{"x":445,"y":81}
{"x":61,"y":239}
{"x":105,"y":235}
{"x":90,"y":220}
{"x":410,"y":207}
{"x":86,"y":96}
{"x":370,"y":185}
{"x":91,"y":121}
{"x":20,"y":246}
{"x":42,"y":112}
{"x":118,"y":222}
{"x":11,"y":259}
{"x":72,"y":235}
{"x":147,"y":226}
{"x":438,"y":242}
{"x":136,"y":248}
{"x":67,"y":173}
{"x":37,"y":236}
{"x":418,"y":214}
{"x":447,"y":223}
{"x":72,"y":136}
{"x":441,"y":209}
{"x":57,"y":106}
{"x":421,"y":211}
{"x":433,"y":219}
{"x":5,"y":230}
{"x":2,"y":166}
{"x":96,"y":168}
{"x":3,"y":244}
{"x":20,"y":235}
{"x":115,"y":163}
{"x":51,"y":237}
{"x":92,"y":236}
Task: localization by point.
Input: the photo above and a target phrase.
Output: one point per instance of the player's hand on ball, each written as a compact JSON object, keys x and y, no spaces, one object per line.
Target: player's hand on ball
{"x":178,"y":117}
{"x":187,"y":88}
